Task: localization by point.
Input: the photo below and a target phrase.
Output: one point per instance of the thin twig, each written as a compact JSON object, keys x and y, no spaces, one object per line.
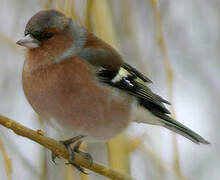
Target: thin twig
{"x":8,"y":41}
{"x":59,"y":149}
{"x":48,"y":4}
{"x":170,"y":77}
{"x":7,"y":160}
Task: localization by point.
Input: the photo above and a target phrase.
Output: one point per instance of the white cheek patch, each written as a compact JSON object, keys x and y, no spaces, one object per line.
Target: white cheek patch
{"x":122,"y":73}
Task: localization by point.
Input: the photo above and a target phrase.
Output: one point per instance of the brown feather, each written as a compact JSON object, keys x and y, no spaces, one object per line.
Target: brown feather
{"x":69,"y":93}
{"x":48,"y":51}
{"x":113,"y":61}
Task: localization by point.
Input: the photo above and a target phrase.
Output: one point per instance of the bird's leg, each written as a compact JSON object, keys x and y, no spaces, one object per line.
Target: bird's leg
{"x":84,"y":154}
{"x":75,"y":149}
{"x":67,"y":143}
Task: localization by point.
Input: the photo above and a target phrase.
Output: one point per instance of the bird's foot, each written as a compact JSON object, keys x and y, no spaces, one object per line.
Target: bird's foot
{"x":75,"y":149}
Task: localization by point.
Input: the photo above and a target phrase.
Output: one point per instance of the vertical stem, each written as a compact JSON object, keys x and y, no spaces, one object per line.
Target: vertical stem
{"x":118,"y":154}
{"x":104,"y":28}
{"x":59,"y":6}
{"x":48,"y":4}
{"x":84,"y":177}
{"x":69,"y":173}
{"x":88,"y":11}
{"x":7,"y":160}
{"x":170,"y":76}
{"x":43,"y":155}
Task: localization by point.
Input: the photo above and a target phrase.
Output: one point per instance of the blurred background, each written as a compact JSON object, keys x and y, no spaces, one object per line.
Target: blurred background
{"x":175,"y":43}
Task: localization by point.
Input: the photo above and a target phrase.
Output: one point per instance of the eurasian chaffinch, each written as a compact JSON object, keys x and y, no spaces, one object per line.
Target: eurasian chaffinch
{"x":81,"y":85}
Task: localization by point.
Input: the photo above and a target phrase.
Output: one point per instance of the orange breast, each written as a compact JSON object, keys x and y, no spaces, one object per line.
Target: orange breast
{"x":69,"y":93}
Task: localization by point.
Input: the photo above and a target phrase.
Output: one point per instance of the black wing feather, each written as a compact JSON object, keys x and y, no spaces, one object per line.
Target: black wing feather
{"x":130,"y":84}
{"x":136,"y":73}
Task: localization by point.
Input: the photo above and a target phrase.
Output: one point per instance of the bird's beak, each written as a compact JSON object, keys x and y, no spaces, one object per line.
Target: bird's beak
{"x":29,"y":42}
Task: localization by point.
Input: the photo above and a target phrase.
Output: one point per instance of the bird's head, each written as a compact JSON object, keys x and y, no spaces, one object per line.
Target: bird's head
{"x":45,"y":27}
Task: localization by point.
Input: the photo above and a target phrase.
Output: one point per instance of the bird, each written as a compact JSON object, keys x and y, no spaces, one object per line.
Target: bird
{"x":81,"y":85}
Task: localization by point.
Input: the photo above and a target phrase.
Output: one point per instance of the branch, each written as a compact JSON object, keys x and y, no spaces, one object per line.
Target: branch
{"x":7,"y":160}
{"x":60,"y":149}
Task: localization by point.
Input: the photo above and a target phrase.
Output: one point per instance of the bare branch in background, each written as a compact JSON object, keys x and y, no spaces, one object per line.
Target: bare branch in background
{"x":8,"y":41}
{"x":7,"y":159}
{"x":170,"y":76}
{"x":48,"y":4}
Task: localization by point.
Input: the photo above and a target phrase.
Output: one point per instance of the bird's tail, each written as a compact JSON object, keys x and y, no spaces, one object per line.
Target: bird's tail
{"x":179,"y":128}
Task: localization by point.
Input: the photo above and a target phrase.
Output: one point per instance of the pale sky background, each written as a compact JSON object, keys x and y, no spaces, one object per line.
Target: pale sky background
{"x":192,"y":35}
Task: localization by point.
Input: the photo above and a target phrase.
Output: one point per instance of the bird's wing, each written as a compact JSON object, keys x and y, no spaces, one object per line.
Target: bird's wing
{"x":123,"y":76}
{"x":114,"y":72}
{"x":128,"y":81}
{"x":134,"y":83}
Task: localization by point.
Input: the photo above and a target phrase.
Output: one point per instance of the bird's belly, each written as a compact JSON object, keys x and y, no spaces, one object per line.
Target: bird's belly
{"x":98,"y":115}
{"x":99,"y":112}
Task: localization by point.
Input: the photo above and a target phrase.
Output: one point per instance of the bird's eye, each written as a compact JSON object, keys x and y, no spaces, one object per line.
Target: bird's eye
{"x":36,"y":35}
{"x":48,"y":35}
